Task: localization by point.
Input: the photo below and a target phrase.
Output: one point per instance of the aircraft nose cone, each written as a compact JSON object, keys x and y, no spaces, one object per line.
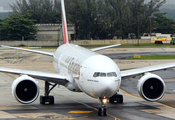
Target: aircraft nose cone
{"x":108,"y":88}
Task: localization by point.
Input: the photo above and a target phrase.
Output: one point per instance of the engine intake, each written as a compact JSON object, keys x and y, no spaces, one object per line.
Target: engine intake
{"x":25,"y":89}
{"x":151,"y":87}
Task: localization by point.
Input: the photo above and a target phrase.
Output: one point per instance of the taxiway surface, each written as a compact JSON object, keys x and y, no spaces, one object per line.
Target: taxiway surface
{"x":69,"y":105}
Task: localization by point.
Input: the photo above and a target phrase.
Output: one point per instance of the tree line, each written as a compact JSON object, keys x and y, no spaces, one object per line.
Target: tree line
{"x":17,"y":27}
{"x":100,"y":19}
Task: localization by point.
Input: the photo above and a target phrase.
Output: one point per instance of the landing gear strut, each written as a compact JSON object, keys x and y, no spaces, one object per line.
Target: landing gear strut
{"x":46,"y":97}
{"x":102,"y":110}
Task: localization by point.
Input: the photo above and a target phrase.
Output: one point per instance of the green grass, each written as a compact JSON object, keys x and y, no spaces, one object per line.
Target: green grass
{"x":93,"y":46}
{"x":153,"y":57}
{"x":49,"y":47}
{"x":145,"y":45}
{"x":149,"y":45}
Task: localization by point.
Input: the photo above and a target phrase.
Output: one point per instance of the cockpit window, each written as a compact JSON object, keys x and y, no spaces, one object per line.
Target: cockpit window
{"x":114,"y":74}
{"x":109,"y":74}
{"x":103,"y":75}
{"x":100,"y":74}
{"x":96,"y":74}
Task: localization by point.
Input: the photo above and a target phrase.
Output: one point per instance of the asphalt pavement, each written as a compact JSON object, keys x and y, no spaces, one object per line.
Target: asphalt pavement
{"x":78,"y":106}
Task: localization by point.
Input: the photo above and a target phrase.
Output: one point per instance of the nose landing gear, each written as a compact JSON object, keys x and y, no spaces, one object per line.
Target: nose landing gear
{"x":102,"y":110}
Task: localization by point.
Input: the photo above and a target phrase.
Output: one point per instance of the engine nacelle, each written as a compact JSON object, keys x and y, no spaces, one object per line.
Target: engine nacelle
{"x":25,"y":89}
{"x":151,"y":87}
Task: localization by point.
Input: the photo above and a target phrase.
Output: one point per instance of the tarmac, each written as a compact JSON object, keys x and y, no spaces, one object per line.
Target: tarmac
{"x":79,"y":106}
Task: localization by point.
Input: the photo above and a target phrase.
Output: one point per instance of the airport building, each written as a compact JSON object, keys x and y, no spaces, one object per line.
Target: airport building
{"x":53,"y":32}
{"x":4,"y":11}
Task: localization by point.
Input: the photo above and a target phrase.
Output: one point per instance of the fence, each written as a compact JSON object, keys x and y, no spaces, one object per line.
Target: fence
{"x":78,"y":42}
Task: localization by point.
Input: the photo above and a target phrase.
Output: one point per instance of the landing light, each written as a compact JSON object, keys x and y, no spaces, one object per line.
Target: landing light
{"x":104,"y":100}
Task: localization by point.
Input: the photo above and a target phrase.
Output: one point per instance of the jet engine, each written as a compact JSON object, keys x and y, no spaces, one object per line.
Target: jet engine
{"x":25,"y":89}
{"x":151,"y":87}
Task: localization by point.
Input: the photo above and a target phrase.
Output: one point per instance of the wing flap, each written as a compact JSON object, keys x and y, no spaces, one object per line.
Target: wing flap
{"x":51,"y":77}
{"x":132,"y":72}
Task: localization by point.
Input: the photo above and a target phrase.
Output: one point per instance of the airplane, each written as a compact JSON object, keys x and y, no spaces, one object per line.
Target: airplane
{"x":83,"y":70}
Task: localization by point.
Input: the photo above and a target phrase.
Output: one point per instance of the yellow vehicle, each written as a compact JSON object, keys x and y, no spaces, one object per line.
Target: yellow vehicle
{"x":161,"y":40}
{"x":173,"y":41}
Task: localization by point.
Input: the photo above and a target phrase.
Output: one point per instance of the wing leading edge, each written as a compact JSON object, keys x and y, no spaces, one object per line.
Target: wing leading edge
{"x":29,"y":50}
{"x":51,"y":77}
{"x":105,"y":47}
{"x":133,"y":72}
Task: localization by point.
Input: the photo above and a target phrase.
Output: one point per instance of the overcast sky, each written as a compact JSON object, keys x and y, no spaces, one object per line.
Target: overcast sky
{"x":4,"y":3}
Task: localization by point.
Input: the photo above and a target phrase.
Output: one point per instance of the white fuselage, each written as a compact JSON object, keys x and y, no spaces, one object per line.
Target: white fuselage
{"x":87,"y":71}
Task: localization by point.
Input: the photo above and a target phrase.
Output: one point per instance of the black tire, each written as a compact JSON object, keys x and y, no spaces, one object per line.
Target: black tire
{"x":104,"y":112}
{"x":42,"y":100}
{"x":111,"y":100}
{"x":99,"y":112}
{"x":120,"y":99}
{"x":51,"y":102}
{"x":48,"y":99}
{"x":117,"y":98}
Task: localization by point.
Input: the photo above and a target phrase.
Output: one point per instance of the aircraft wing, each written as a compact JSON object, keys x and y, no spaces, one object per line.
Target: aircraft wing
{"x":29,"y":50}
{"x":50,"y":77}
{"x":137,"y":71}
{"x":105,"y":47}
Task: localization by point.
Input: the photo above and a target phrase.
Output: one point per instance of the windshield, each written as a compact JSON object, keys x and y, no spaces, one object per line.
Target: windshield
{"x":101,"y":74}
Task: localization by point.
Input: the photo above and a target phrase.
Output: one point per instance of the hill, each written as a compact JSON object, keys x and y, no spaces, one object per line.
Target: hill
{"x":4,"y":14}
{"x":171,"y":13}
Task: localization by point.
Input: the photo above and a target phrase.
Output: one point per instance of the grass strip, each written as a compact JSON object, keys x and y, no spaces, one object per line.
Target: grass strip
{"x":145,"y":45}
{"x":153,"y":57}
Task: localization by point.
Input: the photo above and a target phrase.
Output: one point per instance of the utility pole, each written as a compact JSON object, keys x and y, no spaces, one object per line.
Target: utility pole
{"x":0,"y":31}
{"x":150,"y":26}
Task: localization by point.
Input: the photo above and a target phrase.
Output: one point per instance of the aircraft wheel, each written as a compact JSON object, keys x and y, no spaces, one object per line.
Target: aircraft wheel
{"x":99,"y":111}
{"x":104,"y":112}
{"x":116,"y":98}
{"x":44,"y":99}
{"x":111,"y":100}
{"x":120,"y":99}
{"x":51,"y":102}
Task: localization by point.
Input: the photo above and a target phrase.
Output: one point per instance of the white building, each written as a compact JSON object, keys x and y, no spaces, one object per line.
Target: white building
{"x":54,"y":31}
{"x":3,"y":11}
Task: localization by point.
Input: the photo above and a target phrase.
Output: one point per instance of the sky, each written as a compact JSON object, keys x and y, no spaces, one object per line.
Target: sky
{"x":4,"y":3}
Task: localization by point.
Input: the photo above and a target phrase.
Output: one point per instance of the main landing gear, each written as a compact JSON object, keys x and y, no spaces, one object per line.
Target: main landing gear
{"x":46,"y":98}
{"x":117,"y":98}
